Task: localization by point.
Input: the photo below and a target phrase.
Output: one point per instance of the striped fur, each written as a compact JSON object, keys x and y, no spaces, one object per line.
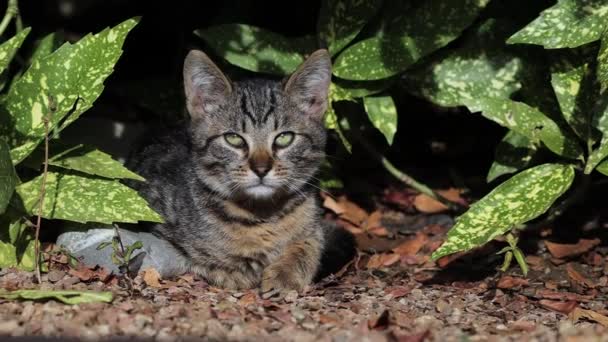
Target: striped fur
{"x":239,"y":229}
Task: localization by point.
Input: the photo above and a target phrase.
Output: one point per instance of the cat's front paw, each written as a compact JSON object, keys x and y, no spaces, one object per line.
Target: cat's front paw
{"x":282,"y":278}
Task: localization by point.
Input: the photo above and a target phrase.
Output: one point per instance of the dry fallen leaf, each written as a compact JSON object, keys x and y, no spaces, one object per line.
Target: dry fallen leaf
{"x":562,"y":250}
{"x":85,"y":273}
{"x":352,"y":212}
{"x":331,"y":204}
{"x":380,"y":260}
{"x":578,"y":277}
{"x":508,"y":282}
{"x":579,"y":313}
{"x":554,"y":305}
{"x":374,"y":220}
{"x":411,"y":247}
{"x":428,"y":205}
{"x":152,"y":277}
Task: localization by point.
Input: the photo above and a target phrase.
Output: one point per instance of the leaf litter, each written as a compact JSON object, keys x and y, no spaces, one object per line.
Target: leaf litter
{"x":391,"y":291}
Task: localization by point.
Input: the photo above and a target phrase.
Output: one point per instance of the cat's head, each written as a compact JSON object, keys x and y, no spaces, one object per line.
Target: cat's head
{"x":257,"y":138}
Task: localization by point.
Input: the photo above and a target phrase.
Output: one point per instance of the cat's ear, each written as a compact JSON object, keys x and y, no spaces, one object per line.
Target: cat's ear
{"x":206,"y":87}
{"x":308,"y":86}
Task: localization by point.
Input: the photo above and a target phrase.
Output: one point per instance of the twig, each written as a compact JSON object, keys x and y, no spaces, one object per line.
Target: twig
{"x":46,"y":121}
{"x":12,"y":10}
{"x":408,"y":180}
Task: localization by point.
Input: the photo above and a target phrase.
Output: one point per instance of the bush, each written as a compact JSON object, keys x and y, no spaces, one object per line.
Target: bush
{"x":543,"y":79}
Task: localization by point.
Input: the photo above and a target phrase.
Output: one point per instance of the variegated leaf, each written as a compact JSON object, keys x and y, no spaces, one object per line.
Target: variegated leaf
{"x":45,"y":47}
{"x":340,"y":21}
{"x":602,"y":63}
{"x":256,"y":49}
{"x":16,"y":247}
{"x":94,"y":162}
{"x":573,"y":81}
{"x":522,"y":198}
{"x":531,"y":123}
{"x":382,"y":113}
{"x":482,"y":67}
{"x":514,"y":153}
{"x":10,"y":47}
{"x":429,"y":27}
{"x":84,"y":199}
{"x":8,"y":177}
{"x":603,"y":168}
{"x":66,"y":82}
{"x":567,"y":24}
{"x":331,"y":122}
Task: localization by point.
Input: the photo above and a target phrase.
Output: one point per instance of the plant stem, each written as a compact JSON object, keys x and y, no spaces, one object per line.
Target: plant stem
{"x":408,"y":180}
{"x":12,"y":10}
{"x":46,"y":121}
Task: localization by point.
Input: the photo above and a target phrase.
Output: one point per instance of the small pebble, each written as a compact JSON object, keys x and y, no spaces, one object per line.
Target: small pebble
{"x":55,"y":275}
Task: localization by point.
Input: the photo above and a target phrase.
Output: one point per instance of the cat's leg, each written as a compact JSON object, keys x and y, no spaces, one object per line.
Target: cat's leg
{"x":243,"y":276}
{"x":295,"y":267}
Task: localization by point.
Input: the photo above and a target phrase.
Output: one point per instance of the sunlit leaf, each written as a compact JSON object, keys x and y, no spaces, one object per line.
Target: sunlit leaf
{"x":64,"y":296}
{"x":531,"y":123}
{"x":67,"y":81}
{"x":85,"y":199}
{"x":482,"y":67}
{"x":382,"y":113}
{"x":569,"y":23}
{"x":94,"y":162}
{"x":428,"y":27}
{"x":522,"y":198}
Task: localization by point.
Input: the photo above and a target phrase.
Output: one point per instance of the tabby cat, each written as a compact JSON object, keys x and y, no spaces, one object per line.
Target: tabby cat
{"x":236,"y":185}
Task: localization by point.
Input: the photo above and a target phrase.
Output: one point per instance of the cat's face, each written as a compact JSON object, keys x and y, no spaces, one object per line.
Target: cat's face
{"x":259,"y":138}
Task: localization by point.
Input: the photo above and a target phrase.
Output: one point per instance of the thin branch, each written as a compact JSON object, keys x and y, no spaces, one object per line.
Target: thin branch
{"x":12,"y":10}
{"x":42,"y":194}
{"x":408,"y":180}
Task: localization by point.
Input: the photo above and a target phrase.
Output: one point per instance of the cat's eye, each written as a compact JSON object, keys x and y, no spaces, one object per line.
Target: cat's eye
{"x":284,"y":139}
{"x":234,"y":140}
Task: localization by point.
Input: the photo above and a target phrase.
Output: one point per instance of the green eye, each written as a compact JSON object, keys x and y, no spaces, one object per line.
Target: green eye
{"x":284,"y":139}
{"x":234,"y":139}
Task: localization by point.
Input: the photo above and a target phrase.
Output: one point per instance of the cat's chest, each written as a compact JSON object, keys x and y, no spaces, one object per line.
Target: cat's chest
{"x":266,"y":240}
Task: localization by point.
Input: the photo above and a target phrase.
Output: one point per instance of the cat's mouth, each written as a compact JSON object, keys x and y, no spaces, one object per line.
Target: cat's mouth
{"x":260,"y":190}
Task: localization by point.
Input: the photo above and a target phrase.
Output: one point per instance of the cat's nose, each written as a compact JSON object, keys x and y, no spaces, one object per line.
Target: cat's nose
{"x":260,"y":164}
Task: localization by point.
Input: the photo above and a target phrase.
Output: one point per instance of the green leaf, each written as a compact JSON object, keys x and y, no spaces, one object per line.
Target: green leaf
{"x":521,"y":260}
{"x":331,"y":122}
{"x":603,"y":168}
{"x":255,"y":49}
{"x":340,"y":21}
{"x":85,"y":199}
{"x":64,"y":296}
{"x":94,"y":162}
{"x":522,"y":198}
{"x":351,"y":90}
{"x":45,"y":47}
{"x":567,"y":24}
{"x":16,"y":244}
{"x":531,"y":123}
{"x":66,"y":82}
{"x":573,"y":80}
{"x":507,"y":261}
{"x":602,"y":63}
{"x":431,"y":26}
{"x":514,"y":153}
{"x":10,"y":47}
{"x":482,"y":67}
{"x":382,"y":113}
{"x":8,"y":177}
